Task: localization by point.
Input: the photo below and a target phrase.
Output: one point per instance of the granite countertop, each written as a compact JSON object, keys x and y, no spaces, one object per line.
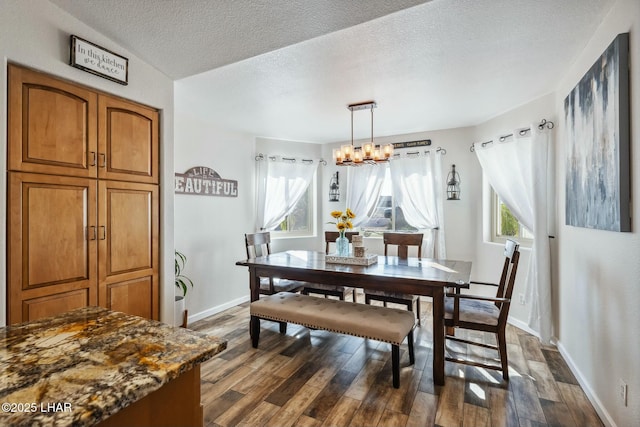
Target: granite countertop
{"x":80,"y":367}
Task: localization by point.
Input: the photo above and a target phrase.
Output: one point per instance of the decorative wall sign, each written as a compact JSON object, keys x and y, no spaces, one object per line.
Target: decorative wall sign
{"x":411,"y":144}
{"x":204,"y":181}
{"x":97,"y":60}
{"x":597,"y":120}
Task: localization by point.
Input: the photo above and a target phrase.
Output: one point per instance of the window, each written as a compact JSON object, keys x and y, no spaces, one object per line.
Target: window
{"x":386,"y":215}
{"x":300,"y":221}
{"x":505,"y":225}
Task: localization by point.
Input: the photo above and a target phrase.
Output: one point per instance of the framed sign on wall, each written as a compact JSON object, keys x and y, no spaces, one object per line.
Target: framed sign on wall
{"x":97,"y":60}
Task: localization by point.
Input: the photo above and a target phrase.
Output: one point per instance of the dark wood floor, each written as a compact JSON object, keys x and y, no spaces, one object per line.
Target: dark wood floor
{"x":317,"y":378}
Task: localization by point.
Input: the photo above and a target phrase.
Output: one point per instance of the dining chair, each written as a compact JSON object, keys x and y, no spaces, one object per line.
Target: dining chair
{"x":332,"y":290}
{"x":486,"y":314}
{"x":403,"y":241}
{"x":259,"y":244}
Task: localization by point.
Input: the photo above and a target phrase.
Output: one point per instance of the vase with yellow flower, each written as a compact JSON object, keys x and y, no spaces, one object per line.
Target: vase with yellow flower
{"x":343,"y":223}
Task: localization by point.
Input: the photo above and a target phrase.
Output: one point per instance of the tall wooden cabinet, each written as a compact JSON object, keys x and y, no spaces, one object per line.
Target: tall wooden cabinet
{"x":83,"y":201}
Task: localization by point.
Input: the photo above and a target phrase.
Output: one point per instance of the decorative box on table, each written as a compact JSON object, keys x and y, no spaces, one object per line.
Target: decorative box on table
{"x":352,"y":260}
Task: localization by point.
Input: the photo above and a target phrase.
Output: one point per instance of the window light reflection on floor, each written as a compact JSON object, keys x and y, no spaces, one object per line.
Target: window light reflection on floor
{"x":478,"y":391}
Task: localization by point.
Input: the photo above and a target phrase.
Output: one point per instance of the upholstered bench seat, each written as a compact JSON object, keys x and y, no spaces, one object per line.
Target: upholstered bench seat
{"x":379,"y":323}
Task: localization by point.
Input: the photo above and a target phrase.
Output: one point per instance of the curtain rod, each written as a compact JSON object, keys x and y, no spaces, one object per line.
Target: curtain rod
{"x":415,"y":153}
{"x":544,"y":123}
{"x":260,"y":157}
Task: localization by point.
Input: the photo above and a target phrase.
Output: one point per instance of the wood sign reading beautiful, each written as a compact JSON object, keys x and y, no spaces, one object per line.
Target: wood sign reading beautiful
{"x":204,"y":181}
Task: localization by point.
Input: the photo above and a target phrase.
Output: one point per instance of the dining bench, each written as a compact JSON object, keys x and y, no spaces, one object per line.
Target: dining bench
{"x":385,"y":324}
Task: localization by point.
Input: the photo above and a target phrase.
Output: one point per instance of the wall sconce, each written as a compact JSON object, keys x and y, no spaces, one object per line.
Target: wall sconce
{"x":453,"y":184}
{"x":334,"y":188}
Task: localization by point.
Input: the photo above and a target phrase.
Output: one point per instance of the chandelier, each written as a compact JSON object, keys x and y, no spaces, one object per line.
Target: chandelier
{"x":369,"y":153}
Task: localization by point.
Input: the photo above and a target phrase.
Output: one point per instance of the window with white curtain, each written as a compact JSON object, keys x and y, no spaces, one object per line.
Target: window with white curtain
{"x":505,"y":225}
{"x":386,"y":216}
{"x":285,"y":192}
{"x":405,"y":196}
{"x":301,"y":221}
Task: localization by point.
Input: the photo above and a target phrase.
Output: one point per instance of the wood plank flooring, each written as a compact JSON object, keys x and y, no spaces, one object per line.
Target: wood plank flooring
{"x":318,"y":378}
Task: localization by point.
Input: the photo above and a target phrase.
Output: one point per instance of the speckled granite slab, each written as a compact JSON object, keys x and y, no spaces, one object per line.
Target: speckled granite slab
{"x":85,"y":365}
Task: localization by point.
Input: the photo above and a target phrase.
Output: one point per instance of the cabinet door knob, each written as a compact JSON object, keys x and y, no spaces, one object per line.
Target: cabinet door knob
{"x":92,"y":233}
{"x":103,"y":232}
{"x":93,"y":158}
{"x":103,"y":160}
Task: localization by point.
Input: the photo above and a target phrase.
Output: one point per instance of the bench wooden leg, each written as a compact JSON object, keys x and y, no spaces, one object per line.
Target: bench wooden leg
{"x":254,"y":330}
{"x":283,"y":328}
{"x":395,"y":365}
{"x":412,"y":357}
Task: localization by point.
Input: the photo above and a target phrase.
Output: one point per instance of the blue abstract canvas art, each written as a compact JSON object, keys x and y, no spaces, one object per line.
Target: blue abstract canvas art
{"x":597,"y":123}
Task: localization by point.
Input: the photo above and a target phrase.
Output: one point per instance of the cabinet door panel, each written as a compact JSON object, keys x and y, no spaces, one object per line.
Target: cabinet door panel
{"x":132,"y":297}
{"x":50,"y":305}
{"x":52,"y":125}
{"x":128,"y":141}
{"x":128,"y":241}
{"x":56,"y":251}
{"x":52,"y":247}
{"x":129,"y":229}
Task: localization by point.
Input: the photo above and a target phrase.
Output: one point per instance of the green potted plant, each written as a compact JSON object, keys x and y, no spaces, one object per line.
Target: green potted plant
{"x":182,"y":283}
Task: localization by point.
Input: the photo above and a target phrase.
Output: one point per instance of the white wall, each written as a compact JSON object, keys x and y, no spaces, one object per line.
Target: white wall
{"x":36,"y":34}
{"x":599,"y":271}
{"x":210,"y":230}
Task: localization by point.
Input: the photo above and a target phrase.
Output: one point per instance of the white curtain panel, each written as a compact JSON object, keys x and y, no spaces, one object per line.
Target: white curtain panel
{"x":363,"y":189}
{"x":280,"y":185}
{"x":518,"y":172}
{"x":418,"y":191}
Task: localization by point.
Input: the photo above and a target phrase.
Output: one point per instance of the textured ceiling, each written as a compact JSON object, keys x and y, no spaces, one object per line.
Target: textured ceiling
{"x":186,"y":37}
{"x":293,"y":66}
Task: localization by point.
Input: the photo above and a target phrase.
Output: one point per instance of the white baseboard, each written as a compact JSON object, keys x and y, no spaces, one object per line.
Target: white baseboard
{"x":597,"y":404}
{"x":522,"y":325}
{"x":217,"y":309}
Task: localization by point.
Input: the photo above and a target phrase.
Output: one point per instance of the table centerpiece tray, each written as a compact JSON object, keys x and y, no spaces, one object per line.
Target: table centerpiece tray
{"x":351,"y":260}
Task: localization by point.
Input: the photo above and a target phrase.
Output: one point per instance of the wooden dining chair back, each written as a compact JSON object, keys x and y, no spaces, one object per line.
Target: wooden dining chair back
{"x":403,"y":241}
{"x":259,"y":244}
{"x":487,"y":314}
{"x":332,"y":290}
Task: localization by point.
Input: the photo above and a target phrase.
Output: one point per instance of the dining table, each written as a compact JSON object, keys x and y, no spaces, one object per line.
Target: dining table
{"x":416,"y":276}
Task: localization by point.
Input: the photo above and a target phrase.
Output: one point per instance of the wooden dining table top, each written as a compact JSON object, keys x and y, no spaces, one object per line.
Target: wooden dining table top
{"x":411,"y":275}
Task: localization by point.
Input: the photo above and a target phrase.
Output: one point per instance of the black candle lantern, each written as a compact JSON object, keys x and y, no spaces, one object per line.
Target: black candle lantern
{"x":334,"y":188}
{"x":453,"y":184}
